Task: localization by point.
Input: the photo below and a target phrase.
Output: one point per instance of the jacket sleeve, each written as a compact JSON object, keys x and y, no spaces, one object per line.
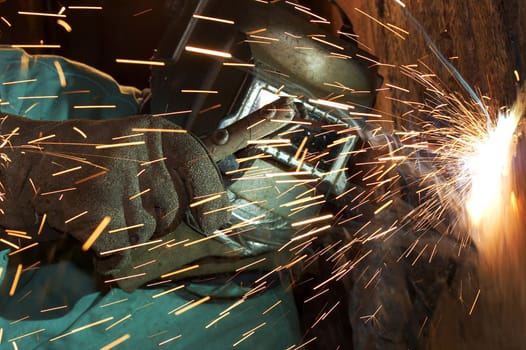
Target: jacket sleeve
{"x":55,"y":88}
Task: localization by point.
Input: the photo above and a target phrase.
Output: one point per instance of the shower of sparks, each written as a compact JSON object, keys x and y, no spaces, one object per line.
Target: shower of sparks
{"x":462,"y":170}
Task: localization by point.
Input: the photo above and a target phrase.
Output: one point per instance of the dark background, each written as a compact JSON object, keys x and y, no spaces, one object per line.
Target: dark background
{"x":123,"y":29}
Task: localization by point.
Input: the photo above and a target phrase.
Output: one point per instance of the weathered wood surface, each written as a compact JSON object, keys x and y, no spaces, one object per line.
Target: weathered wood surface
{"x":484,"y":38}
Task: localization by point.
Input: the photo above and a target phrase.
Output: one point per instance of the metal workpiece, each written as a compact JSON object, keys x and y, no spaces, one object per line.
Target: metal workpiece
{"x":211,"y":65}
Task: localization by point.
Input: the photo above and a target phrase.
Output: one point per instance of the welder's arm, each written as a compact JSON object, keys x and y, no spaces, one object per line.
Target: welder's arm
{"x":110,"y":184}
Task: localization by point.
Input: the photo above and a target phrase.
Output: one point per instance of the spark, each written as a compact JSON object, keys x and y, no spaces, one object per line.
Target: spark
{"x":133,"y":246}
{"x":176,"y":131}
{"x":248,"y":334}
{"x":301,"y":200}
{"x":331,"y":104}
{"x":6,"y":21}
{"x":118,"y":322}
{"x":264,"y":37}
{"x":126,"y":136}
{"x":186,"y":111}
{"x":142,"y":12}
{"x":290,"y":173}
{"x":54,"y":308}
{"x":145,"y":62}
{"x":396,"y":87}
{"x":380,"y":23}
{"x":114,"y":302}
{"x":385,"y":205}
{"x":294,"y":262}
{"x":315,"y":296}
{"x":192,"y":305}
{"x":474,"y":303}
{"x":21,"y":250}
{"x":208,"y":52}
{"x":517,"y":76}
{"x":41,"y":139}
{"x":312,"y":220}
{"x":206,"y":200}
{"x":125,"y":278}
{"x":45,"y":14}
{"x":94,"y":106}
{"x":168,"y":291}
{"x":82,"y":133}
{"x":19,"y":320}
{"x":233,"y":306}
{"x":75,"y":217}
{"x":96,"y":233}
{"x":123,"y":144}
{"x":145,"y":264}
{"x":116,"y":342}
{"x":66,"y":27}
{"x":37,"y":97}
{"x":16,"y":278}
{"x":213,"y":322}
{"x":84,"y":7}
{"x":327,"y":43}
{"x":312,"y":232}
{"x":211,"y":108}
{"x":306,"y":10}
{"x":250,"y":264}
{"x":22,"y":336}
{"x":137,"y":195}
{"x":126,"y":228}
{"x":269,"y":142}
{"x":19,"y":81}
{"x":35,"y":46}
{"x":58,"y":191}
{"x":24,"y":236}
{"x":90,"y":177}
{"x":239,"y":64}
{"x":169,"y":340}
{"x":305,"y":343}
{"x":67,"y":171}
{"x":185,"y":269}
{"x":19,"y":232}
{"x":213,"y":19}
{"x":190,"y":91}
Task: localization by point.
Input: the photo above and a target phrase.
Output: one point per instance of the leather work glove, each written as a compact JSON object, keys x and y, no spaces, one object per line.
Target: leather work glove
{"x":131,"y":179}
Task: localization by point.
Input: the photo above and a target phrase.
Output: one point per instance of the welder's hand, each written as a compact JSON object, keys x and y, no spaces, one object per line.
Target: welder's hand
{"x":141,"y":173}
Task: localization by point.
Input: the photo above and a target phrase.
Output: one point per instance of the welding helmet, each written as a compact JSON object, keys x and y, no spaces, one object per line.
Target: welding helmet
{"x":230,"y":57}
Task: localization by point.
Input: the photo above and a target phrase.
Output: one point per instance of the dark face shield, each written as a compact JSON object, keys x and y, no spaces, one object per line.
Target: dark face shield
{"x":227,"y":58}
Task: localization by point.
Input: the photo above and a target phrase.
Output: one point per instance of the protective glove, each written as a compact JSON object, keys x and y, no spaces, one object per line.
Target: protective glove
{"x":133,"y":179}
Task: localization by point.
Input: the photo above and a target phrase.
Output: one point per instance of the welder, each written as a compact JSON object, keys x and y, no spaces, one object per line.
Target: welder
{"x":146,"y":201}
{"x":75,"y":188}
